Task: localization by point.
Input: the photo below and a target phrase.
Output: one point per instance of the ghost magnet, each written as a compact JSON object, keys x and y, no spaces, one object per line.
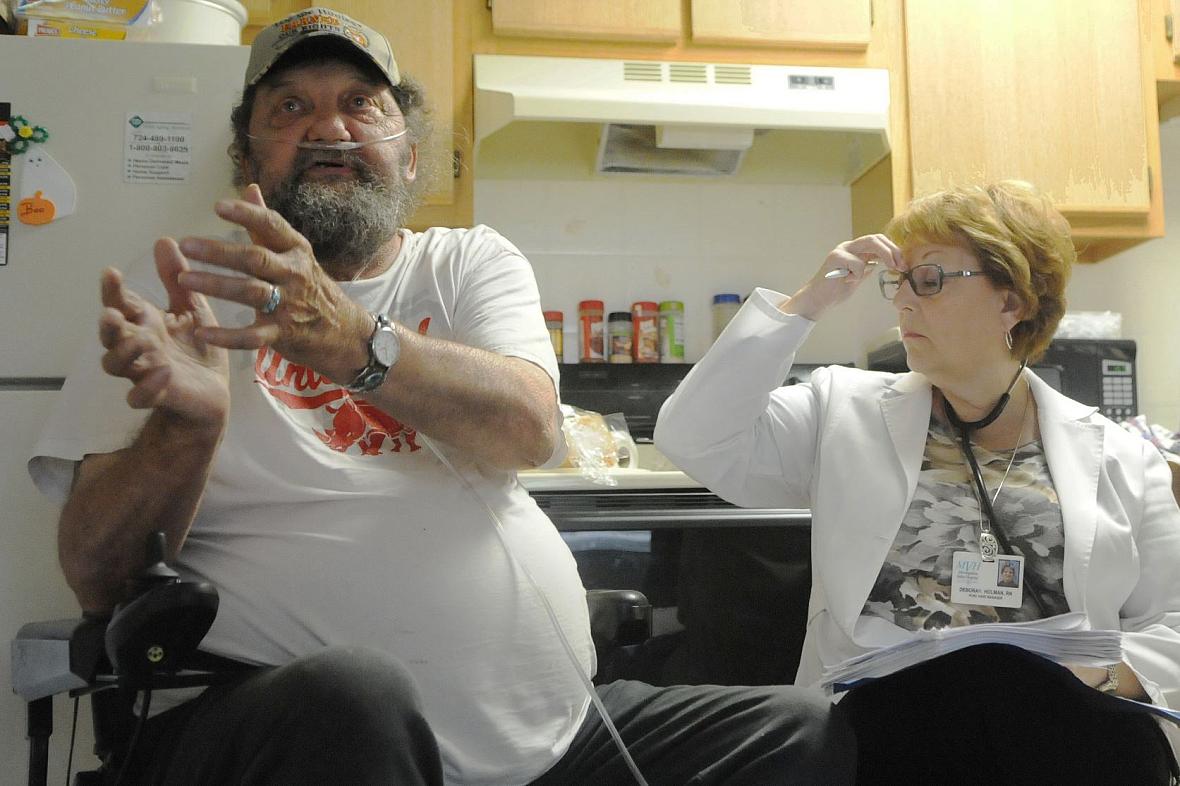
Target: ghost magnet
{"x":47,"y":190}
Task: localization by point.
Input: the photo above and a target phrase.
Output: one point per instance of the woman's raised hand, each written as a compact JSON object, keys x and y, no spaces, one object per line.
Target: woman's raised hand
{"x":842,"y":271}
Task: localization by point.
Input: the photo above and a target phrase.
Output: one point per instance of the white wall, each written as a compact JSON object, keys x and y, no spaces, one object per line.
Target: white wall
{"x":1143,"y":284}
{"x":627,"y":239}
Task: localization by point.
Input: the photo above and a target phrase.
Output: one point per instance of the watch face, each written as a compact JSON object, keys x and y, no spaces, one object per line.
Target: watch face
{"x":386,"y":346}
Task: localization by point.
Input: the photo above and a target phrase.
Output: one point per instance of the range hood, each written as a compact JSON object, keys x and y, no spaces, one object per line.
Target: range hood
{"x":577,"y":117}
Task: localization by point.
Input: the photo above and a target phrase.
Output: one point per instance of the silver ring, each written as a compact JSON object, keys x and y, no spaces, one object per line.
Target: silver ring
{"x":276,"y":297}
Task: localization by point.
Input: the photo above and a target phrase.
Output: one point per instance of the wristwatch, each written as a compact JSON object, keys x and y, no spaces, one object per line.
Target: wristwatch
{"x":384,"y":349}
{"x":1111,"y":684}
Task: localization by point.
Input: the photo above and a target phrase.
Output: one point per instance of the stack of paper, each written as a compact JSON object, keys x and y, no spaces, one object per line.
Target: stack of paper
{"x":1064,"y":638}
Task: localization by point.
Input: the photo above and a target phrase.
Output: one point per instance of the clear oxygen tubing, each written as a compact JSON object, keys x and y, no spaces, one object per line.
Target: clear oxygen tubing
{"x":329,"y":145}
{"x":565,"y":642}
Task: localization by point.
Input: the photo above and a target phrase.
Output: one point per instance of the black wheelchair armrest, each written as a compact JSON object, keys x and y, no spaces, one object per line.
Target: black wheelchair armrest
{"x":143,"y":645}
{"x":618,"y":618}
{"x":157,"y":631}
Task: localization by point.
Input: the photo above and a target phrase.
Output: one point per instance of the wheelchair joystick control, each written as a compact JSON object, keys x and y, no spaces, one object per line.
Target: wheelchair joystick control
{"x":162,"y":622}
{"x":157,"y":572}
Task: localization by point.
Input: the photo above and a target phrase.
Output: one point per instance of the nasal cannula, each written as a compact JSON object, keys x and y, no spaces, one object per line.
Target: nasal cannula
{"x":329,"y":145}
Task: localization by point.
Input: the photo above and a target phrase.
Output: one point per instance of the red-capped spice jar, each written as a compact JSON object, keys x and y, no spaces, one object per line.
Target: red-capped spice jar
{"x":619,"y":332}
{"x":590,"y":331}
{"x":555,"y":323}
{"x":645,"y":326}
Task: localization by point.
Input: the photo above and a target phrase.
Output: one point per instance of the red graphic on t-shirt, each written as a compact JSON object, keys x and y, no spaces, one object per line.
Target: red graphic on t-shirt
{"x":354,"y":421}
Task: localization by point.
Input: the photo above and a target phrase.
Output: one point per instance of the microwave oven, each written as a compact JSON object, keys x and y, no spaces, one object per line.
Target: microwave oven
{"x":1095,"y":371}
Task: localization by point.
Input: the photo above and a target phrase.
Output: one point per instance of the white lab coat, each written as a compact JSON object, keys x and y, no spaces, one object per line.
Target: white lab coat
{"x":849,"y":446}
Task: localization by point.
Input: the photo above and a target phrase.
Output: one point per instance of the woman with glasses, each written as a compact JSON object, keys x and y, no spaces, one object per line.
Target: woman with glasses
{"x":922,"y":484}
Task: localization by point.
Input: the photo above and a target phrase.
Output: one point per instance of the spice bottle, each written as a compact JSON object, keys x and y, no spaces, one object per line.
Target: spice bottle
{"x":619,"y":329}
{"x":725,"y":306}
{"x":645,"y":333}
{"x":590,"y":331}
{"x":554,"y":321}
{"x":671,"y":331}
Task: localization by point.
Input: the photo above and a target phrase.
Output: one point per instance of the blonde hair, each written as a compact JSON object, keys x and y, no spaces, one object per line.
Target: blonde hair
{"x":1020,"y":239}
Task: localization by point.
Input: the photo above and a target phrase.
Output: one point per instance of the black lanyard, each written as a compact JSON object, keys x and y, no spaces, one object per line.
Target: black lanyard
{"x":985,"y":502}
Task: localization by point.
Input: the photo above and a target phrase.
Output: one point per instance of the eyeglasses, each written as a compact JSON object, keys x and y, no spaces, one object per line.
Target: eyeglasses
{"x":925,"y":280}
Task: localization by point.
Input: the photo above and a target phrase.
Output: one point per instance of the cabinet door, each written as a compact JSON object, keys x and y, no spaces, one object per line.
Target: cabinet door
{"x":621,"y":20}
{"x":827,"y":24}
{"x":1050,"y":92}
{"x":258,"y":13}
{"x":421,"y":34}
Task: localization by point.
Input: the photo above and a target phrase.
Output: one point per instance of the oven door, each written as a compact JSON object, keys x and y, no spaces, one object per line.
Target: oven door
{"x":729,"y":585}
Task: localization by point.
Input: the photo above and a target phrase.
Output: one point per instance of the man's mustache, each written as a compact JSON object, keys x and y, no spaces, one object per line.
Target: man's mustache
{"x":306,"y":159}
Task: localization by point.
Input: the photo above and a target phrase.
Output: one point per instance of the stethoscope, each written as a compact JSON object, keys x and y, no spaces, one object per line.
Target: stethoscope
{"x":991,"y":540}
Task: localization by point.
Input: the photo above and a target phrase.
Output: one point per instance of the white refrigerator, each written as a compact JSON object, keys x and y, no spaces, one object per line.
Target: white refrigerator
{"x":135,"y":149}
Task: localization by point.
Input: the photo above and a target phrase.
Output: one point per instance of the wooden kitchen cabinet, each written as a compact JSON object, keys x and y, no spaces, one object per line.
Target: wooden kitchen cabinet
{"x":825,"y":24}
{"x":1163,"y":26}
{"x":832,"y":24}
{"x":617,"y":20}
{"x":1058,"y":92}
{"x":423,"y":36}
{"x":257,"y":13}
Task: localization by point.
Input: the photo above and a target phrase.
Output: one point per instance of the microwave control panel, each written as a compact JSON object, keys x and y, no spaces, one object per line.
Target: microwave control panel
{"x":1118,"y":389}
{"x":1099,"y":372}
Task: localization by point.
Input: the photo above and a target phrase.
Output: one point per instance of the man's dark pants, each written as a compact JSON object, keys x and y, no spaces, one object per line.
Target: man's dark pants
{"x":353,"y":716}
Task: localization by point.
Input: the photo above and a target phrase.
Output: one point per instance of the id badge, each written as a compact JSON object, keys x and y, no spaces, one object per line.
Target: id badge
{"x":999,"y":582}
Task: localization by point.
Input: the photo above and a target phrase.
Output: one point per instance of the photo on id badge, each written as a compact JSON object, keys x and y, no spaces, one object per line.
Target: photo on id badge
{"x":1008,"y":573}
{"x":993,"y":583}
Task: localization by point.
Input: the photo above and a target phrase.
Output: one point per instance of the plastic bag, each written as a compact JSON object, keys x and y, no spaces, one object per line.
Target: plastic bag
{"x":1167,"y":441}
{"x":98,"y":14}
{"x":598,"y":444}
{"x":1090,"y":324}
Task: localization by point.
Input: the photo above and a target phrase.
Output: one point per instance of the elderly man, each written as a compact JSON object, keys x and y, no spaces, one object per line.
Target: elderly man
{"x":325,"y":417}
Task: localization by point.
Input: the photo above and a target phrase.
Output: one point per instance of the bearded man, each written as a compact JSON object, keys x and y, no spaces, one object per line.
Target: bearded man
{"x":341,"y":462}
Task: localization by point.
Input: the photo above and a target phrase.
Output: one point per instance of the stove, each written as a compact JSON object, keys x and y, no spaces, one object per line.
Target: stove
{"x":729,"y":585}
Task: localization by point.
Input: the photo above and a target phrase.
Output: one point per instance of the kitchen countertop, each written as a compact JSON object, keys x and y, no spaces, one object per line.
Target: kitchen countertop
{"x":652,"y":470}
{"x":574,"y":480}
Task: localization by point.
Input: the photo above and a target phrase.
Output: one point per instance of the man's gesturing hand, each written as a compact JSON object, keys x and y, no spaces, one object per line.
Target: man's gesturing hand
{"x":315,"y":323}
{"x":161,"y":352}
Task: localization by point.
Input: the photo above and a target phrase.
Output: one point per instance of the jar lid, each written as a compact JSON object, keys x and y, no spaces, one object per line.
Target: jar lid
{"x":727,"y":297}
{"x":620,"y":316}
{"x":554,"y":316}
{"x":644,"y":305}
{"x":671,"y":305}
{"x":591,"y":304}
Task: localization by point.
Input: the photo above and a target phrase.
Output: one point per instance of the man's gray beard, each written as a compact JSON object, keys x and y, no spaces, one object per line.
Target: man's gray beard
{"x":347,"y":222}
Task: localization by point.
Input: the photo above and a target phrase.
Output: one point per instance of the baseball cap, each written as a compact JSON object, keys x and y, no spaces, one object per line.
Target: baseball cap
{"x":275,"y":41}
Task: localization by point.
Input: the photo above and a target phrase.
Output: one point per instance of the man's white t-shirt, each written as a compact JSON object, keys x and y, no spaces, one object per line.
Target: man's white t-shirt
{"x":328,"y":522}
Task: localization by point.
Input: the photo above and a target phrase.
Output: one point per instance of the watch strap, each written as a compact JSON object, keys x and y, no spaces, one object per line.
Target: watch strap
{"x":372,"y":375}
{"x":1111,"y":683}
